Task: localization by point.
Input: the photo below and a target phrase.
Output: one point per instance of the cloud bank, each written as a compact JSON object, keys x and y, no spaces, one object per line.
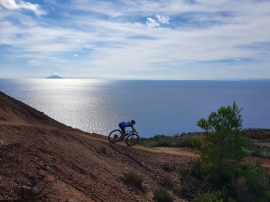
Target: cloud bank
{"x":175,"y":39}
{"x":18,"y":5}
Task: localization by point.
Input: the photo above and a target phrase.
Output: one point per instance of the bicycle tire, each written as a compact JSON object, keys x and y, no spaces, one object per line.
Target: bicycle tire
{"x":114,"y":136}
{"x":132,"y":139}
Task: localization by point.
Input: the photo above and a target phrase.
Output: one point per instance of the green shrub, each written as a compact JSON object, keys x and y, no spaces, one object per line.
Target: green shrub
{"x":161,"y":143}
{"x":262,"y":152}
{"x":136,"y":180}
{"x":167,"y":167}
{"x":192,"y":187}
{"x":162,"y":195}
{"x":251,"y":183}
{"x":192,"y":183}
{"x":215,"y":196}
{"x":221,"y":174}
{"x":222,"y":147}
{"x":183,"y":140}
{"x":177,"y":191}
{"x":166,"y":181}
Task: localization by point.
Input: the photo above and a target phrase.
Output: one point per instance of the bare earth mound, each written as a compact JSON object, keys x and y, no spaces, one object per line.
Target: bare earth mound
{"x":45,"y":160}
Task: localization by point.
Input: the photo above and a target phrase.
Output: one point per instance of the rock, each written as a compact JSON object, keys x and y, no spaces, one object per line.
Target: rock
{"x":33,"y":178}
{"x":49,"y":169}
{"x":42,"y":174}
{"x":28,"y":192}
{"x":72,"y":200}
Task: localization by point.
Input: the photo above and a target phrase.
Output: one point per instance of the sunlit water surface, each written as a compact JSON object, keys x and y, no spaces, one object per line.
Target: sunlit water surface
{"x":159,"y":107}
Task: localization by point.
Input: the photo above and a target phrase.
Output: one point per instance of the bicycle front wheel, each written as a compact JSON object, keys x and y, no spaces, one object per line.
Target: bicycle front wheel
{"x":132,"y":139}
{"x":114,"y":136}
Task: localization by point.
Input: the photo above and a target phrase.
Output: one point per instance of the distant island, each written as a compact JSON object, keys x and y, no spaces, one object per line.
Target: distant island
{"x":54,"y":77}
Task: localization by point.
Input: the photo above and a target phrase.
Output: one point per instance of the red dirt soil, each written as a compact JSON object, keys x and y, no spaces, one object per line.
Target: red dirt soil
{"x":66,"y":164}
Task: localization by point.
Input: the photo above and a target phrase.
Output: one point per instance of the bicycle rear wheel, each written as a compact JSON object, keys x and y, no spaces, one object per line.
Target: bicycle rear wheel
{"x":132,"y":139}
{"x":114,"y":136}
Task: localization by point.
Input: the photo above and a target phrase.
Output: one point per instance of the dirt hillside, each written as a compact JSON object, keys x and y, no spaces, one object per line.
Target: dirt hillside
{"x":45,"y":160}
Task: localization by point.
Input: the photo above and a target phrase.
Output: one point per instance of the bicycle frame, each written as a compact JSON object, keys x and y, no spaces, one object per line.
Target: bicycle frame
{"x":129,"y":132}
{"x":131,"y":137}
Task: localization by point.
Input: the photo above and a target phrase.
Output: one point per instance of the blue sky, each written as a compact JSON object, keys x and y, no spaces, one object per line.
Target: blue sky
{"x":135,"y":39}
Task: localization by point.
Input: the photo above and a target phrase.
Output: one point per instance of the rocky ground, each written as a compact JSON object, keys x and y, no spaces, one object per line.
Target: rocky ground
{"x":44,"y":160}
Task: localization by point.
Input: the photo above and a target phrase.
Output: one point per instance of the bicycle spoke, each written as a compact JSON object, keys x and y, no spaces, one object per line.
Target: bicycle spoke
{"x":114,"y":136}
{"x":132,"y":139}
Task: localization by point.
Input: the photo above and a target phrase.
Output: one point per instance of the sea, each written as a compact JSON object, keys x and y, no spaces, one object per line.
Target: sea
{"x":159,"y":107}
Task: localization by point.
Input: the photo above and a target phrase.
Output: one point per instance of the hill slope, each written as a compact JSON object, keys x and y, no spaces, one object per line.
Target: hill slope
{"x":66,"y":164}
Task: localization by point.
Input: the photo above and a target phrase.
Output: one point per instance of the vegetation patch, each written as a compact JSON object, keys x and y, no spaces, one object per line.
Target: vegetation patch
{"x":166,"y":181}
{"x":261,"y":152}
{"x":167,"y":167}
{"x":221,"y":174}
{"x":178,"y":140}
{"x":162,"y":195}
{"x":134,"y":179}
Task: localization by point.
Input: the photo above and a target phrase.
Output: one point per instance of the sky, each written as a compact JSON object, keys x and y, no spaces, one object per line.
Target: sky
{"x":135,"y":39}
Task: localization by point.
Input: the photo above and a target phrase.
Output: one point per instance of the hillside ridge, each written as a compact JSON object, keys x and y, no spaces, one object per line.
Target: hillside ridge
{"x":66,"y":164}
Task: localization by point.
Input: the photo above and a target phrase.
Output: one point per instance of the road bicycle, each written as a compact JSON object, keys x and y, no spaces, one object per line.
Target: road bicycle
{"x":131,"y":137}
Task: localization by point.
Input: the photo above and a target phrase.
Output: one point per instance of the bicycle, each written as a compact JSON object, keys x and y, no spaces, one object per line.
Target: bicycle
{"x":131,"y":137}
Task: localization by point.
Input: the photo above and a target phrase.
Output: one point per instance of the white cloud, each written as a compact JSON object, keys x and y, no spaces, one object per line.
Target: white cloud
{"x":163,"y":19}
{"x":211,"y":2}
{"x":14,"y":5}
{"x":75,"y":55}
{"x":152,"y":22}
{"x":9,"y":4}
{"x":53,"y":73}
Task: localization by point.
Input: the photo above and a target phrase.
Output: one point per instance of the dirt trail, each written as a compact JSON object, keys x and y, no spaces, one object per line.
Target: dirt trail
{"x":168,"y":150}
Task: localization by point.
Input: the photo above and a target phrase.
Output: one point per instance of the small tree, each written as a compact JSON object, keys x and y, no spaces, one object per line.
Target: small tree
{"x":221,"y":174}
{"x":222,"y":146}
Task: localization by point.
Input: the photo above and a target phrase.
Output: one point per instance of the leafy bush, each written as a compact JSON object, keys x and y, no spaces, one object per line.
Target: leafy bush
{"x":162,"y":195}
{"x":251,"y":183}
{"x":221,"y":174}
{"x":136,"y":180}
{"x":260,"y":151}
{"x":193,"y":184}
{"x":215,"y":196}
{"x":183,"y":140}
{"x":222,"y":147}
{"x":167,"y":167}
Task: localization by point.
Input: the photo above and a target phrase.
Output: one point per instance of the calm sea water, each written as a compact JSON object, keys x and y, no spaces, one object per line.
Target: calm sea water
{"x":159,"y":107}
